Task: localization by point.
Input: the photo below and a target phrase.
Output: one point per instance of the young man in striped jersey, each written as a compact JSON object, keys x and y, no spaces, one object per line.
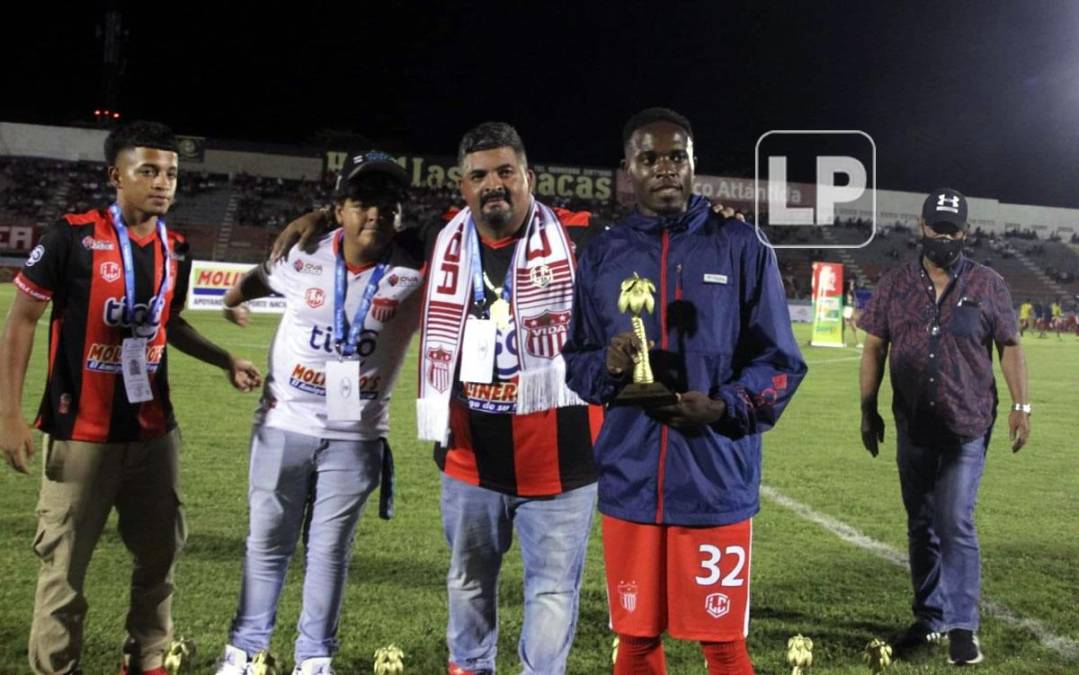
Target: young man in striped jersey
{"x":117,"y":279}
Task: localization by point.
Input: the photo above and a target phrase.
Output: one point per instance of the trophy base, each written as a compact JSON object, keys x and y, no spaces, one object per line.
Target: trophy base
{"x":649,"y":395}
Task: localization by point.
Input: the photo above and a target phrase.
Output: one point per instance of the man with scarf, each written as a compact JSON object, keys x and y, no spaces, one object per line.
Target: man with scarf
{"x":940,"y":316}
{"x":513,"y":442}
{"x":679,"y":484}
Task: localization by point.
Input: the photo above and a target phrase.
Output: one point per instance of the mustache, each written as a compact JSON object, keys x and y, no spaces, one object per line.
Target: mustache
{"x":498,"y":194}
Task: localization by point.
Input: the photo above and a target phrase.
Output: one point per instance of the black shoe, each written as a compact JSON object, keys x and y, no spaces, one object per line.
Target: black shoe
{"x":963,"y":648}
{"x":918,"y":635}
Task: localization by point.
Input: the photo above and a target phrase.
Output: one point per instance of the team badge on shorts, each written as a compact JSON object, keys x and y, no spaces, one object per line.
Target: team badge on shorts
{"x":717,"y":604}
{"x":627,"y":595}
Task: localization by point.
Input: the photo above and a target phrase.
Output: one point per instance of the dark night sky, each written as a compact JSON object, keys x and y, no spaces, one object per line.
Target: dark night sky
{"x":983,"y":96}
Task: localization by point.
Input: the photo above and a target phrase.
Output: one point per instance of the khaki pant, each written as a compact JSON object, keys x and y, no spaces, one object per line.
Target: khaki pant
{"x":82,"y":482}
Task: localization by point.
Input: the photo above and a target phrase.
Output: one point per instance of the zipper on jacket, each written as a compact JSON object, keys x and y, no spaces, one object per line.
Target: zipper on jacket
{"x":664,"y":248}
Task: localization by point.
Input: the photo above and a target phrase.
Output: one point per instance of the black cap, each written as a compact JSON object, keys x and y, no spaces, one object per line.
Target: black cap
{"x":368,"y":162}
{"x":945,"y":205}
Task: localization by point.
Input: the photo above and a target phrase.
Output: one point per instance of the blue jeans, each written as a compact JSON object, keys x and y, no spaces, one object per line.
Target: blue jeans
{"x":301,"y":482}
{"x":553,"y":534}
{"x":940,"y":486}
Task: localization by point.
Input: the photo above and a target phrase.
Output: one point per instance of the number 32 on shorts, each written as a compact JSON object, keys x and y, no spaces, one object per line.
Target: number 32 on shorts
{"x":733,"y":557}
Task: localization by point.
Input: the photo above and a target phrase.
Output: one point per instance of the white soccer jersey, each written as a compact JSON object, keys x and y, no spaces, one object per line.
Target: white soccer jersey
{"x":295,"y":395}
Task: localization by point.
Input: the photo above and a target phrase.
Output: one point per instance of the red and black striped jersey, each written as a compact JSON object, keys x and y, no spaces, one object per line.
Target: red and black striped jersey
{"x":535,"y":455}
{"x":78,"y":265}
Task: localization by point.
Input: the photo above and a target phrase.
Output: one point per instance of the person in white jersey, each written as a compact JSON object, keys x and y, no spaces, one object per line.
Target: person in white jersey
{"x":319,"y":447}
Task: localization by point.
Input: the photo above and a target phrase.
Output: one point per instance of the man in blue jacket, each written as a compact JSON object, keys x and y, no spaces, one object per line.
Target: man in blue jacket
{"x":679,"y":484}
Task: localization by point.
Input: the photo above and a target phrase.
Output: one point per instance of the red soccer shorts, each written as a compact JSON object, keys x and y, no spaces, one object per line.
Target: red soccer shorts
{"x":691,"y":581}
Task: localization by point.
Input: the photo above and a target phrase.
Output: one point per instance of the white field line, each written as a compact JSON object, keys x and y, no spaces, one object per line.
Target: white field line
{"x":1065,"y":646}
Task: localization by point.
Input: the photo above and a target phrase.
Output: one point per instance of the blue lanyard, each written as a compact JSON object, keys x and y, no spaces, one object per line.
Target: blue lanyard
{"x":157,"y":302}
{"x":479,"y":294}
{"x":347,"y":343}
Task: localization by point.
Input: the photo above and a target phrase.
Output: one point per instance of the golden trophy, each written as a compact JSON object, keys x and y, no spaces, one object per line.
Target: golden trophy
{"x":389,"y":660}
{"x":877,"y":655}
{"x":264,"y":663}
{"x":180,"y":657}
{"x":799,"y":654}
{"x":636,"y":297}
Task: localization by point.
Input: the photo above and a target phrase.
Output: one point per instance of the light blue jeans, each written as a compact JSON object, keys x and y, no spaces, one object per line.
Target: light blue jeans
{"x":940,"y":486}
{"x":318,"y":485}
{"x":553,"y":534}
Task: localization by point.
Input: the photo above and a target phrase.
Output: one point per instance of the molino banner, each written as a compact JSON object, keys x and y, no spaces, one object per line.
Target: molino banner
{"x":209,"y":281}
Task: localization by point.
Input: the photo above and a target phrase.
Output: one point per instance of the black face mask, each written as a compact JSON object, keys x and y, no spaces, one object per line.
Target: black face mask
{"x":942,"y":252}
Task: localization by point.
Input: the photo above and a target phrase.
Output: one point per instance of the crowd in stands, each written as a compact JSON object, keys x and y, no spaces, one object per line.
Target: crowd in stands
{"x":29,"y":186}
{"x":42,"y":190}
{"x":39,"y":190}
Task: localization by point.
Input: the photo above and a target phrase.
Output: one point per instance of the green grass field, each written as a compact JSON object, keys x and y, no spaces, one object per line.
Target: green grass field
{"x":805,"y":578}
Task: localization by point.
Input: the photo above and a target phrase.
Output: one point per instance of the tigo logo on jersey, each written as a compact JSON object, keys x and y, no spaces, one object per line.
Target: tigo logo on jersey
{"x":144,"y":325}
{"x":717,"y":604}
{"x":627,"y":595}
{"x":110,"y":271}
{"x":384,"y":309}
{"x":314,"y":297}
{"x":546,"y":333}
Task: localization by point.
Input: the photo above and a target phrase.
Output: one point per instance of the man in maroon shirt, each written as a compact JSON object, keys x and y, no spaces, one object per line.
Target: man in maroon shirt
{"x":117,"y":279}
{"x":941,"y":316}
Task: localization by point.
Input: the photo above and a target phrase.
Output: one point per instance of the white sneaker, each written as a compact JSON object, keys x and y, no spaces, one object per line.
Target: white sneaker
{"x":316,"y":666}
{"x":232,"y":662}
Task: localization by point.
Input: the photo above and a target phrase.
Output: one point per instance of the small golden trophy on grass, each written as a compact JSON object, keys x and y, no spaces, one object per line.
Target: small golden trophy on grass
{"x":636,"y":297}
{"x":264,"y":663}
{"x":878,"y":655}
{"x":799,"y":654}
{"x":180,"y":657}
{"x":389,"y":660}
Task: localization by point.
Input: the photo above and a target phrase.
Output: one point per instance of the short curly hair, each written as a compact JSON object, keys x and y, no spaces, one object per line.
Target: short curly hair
{"x":138,"y":134}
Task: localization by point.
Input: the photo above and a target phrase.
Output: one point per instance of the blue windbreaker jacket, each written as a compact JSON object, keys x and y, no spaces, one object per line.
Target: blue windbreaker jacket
{"x":721,"y":327}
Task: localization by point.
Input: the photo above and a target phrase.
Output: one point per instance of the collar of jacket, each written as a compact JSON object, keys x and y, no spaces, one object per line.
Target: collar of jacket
{"x":694,"y":216}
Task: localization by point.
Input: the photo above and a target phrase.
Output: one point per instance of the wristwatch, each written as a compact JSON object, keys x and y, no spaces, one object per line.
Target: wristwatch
{"x":1021,"y":407}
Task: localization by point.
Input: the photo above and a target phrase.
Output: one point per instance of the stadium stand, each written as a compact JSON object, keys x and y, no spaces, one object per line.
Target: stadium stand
{"x":236,"y":218}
